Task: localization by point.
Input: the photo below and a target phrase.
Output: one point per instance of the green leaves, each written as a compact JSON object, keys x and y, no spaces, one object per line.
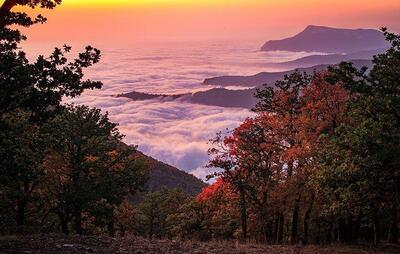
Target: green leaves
{"x":99,"y":171}
{"x":360,"y":165}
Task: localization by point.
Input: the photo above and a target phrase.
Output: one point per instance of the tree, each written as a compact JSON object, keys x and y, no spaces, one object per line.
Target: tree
{"x":283,"y":107}
{"x":271,"y":158}
{"x":190,"y":221}
{"x":21,"y":154}
{"x":361,"y":164}
{"x":226,"y":160}
{"x":155,"y":209}
{"x":7,"y":17}
{"x":38,"y":87}
{"x":31,"y":94}
{"x":89,"y":170}
{"x":323,"y":111}
{"x":219,"y":203}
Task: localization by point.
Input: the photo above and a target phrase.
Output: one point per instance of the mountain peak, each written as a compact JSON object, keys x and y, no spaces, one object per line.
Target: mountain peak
{"x":329,"y":40}
{"x":315,"y":27}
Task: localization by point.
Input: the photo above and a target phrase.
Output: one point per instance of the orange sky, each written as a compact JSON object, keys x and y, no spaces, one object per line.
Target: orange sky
{"x":127,"y":21}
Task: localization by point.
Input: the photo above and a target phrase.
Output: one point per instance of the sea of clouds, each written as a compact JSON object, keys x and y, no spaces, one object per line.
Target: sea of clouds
{"x":175,"y":132}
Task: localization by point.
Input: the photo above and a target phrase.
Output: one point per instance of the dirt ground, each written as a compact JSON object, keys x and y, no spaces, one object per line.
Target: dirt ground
{"x":136,"y":245}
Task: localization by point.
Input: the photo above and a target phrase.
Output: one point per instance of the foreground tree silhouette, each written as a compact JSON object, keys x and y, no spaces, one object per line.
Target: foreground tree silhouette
{"x":21,"y":154}
{"x":6,"y":16}
{"x":30,"y":94}
{"x":39,"y":86}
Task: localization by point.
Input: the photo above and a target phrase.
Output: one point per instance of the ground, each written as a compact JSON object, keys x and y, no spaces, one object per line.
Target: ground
{"x":136,"y":245}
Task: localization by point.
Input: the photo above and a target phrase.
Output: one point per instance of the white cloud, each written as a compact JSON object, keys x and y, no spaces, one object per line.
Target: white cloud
{"x":175,"y":132}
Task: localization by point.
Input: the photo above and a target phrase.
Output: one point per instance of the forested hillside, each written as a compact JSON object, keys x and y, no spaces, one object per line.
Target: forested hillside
{"x":164,"y":176}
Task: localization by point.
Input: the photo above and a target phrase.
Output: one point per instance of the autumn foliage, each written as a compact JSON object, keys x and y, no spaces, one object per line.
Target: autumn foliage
{"x":297,"y":167}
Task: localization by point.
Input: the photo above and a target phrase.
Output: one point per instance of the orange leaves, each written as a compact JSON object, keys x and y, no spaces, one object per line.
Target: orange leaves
{"x":322,"y":111}
{"x":270,"y":159}
{"x":220,"y":190}
{"x":211,"y":191}
{"x":294,"y":123}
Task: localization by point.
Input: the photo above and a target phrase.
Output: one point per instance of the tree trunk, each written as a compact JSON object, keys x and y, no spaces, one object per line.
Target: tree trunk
{"x":295,"y":222}
{"x":357,"y":227}
{"x":266,"y":224}
{"x":331,"y":233}
{"x":306,"y":220}
{"x":318,"y":238}
{"x":63,"y":222}
{"x":276,"y":225}
{"x":376,"y":228}
{"x":111,"y":224}
{"x":394,"y":229}
{"x":122,"y":230}
{"x":280,"y":228}
{"x":243,"y":213}
{"x":64,"y":227}
{"x":5,"y":10}
{"x":21,"y":206}
{"x":111,"y":229}
{"x":341,"y":231}
{"x":78,"y":222}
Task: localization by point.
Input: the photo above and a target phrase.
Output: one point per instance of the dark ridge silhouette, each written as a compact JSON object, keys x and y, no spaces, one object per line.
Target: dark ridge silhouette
{"x":223,"y":97}
{"x":330,"y":40}
{"x":314,"y":60}
{"x":220,"y":97}
{"x":270,"y":77}
{"x":139,"y":96}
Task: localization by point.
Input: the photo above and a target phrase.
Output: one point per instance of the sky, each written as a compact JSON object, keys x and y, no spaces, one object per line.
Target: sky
{"x":130,"y":21}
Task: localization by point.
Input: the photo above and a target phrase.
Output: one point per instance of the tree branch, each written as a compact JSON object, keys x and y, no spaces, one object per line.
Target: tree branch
{"x":5,"y":9}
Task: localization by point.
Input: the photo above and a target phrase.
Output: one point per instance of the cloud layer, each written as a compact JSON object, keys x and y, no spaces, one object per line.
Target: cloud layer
{"x":175,"y":132}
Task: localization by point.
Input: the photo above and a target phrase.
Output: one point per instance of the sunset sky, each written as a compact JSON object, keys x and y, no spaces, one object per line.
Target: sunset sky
{"x":126,"y":21}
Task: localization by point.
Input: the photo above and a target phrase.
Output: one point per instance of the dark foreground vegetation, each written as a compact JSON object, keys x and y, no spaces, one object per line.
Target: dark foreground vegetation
{"x":318,"y":164}
{"x":138,"y":245}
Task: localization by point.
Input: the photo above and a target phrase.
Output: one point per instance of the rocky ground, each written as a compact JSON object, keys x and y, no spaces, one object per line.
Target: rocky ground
{"x":135,"y":245}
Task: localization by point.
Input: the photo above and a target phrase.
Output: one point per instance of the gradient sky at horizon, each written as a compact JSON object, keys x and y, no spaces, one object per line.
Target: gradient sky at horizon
{"x":128,"y":21}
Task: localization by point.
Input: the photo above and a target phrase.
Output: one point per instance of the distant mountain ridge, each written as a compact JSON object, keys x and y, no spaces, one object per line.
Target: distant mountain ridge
{"x":222,"y":97}
{"x":339,"y":44}
{"x":329,"y":40}
{"x":271,"y":77}
{"x":314,"y":60}
{"x":140,"y":96}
